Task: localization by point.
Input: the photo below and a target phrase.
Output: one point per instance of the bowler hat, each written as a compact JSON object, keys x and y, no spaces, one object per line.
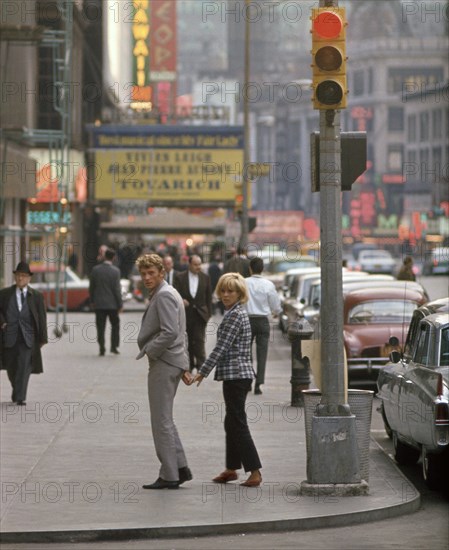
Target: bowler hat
{"x":23,"y":267}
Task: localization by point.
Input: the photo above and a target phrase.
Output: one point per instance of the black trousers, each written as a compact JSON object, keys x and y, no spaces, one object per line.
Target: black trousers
{"x":260,"y":332}
{"x":240,"y":448}
{"x":19,"y":365}
{"x":196,"y":338}
{"x":100,"y":319}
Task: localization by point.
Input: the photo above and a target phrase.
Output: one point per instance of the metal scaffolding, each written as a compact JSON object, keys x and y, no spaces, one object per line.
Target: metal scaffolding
{"x":57,"y":141}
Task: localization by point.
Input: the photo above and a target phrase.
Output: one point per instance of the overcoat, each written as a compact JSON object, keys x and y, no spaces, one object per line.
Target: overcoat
{"x":35,"y":301}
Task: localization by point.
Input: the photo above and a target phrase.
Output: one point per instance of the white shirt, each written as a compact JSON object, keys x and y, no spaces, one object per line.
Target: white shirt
{"x":19,"y":298}
{"x":193,"y":283}
{"x":169,"y":277}
{"x":263,"y":297}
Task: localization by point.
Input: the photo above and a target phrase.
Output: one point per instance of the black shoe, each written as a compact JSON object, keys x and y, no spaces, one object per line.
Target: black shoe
{"x":162,"y":484}
{"x":116,"y":351}
{"x":101,"y":354}
{"x":21,"y":403}
{"x":185,"y":475}
{"x":257,"y":390}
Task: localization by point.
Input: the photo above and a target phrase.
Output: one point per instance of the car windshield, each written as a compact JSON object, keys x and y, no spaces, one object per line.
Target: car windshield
{"x":280,"y":267}
{"x":382,"y":311}
{"x":444,"y":353}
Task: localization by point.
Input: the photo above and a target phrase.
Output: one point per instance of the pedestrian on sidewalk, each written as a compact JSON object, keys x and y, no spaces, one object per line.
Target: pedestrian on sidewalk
{"x":406,"y":272}
{"x":162,"y":338}
{"x":194,"y":287}
{"x":23,"y":324}
{"x":231,"y":358}
{"x":263,"y":301}
{"x":106,"y":299}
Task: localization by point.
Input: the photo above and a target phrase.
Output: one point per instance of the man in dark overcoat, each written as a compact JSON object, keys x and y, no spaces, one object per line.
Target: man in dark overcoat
{"x":195,"y":289}
{"x":106,"y":298}
{"x":23,"y":324}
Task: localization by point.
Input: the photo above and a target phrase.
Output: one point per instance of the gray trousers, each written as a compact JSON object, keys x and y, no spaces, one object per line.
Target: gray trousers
{"x":163,"y":381}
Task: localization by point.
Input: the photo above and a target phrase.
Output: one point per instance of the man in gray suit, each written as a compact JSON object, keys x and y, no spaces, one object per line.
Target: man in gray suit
{"x":106,"y":297}
{"x":162,"y":338}
{"x":23,"y":325}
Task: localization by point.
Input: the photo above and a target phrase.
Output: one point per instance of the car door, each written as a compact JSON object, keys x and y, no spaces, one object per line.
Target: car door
{"x":416,"y":388}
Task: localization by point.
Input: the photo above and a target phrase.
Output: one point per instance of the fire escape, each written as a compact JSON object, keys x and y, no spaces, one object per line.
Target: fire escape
{"x":57,"y":141}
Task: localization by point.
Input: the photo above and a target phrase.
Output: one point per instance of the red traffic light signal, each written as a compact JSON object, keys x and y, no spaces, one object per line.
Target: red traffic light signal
{"x":329,"y":58}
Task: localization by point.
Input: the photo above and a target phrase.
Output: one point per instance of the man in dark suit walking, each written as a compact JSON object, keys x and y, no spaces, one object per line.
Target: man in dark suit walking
{"x":170,"y":272}
{"x":23,"y":324}
{"x":106,"y":297}
{"x":195,"y":289}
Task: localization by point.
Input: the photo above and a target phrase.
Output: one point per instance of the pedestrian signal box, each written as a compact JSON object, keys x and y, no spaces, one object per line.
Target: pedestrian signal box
{"x":329,"y":58}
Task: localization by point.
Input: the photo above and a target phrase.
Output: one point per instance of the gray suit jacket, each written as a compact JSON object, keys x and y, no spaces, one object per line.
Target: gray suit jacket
{"x":162,"y":335}
{"x":104,"y":288}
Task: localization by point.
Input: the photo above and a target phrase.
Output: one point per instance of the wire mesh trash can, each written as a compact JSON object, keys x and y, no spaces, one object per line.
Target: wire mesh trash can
{"x":361,"y":405}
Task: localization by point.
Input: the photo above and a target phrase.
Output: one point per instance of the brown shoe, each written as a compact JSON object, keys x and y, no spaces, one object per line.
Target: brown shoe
{"x":255,"y":482}
{"x":224,"y":477}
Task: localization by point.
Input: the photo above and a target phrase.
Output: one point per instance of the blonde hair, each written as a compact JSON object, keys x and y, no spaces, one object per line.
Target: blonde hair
{"x":150,"y":260}
{"x":233,"y":281}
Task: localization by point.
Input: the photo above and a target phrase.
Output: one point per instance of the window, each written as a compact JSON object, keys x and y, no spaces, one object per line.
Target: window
{"x":424,"y":126}
{"x":437,"y":124}
{"x":412,"y":128}
{"x":393,"y":311}
{"x":395,"y":157}
{"x":359,"y":82}
{"x":422,"y":349}
{"x":444,"y":352}
{"x":396,"y":119}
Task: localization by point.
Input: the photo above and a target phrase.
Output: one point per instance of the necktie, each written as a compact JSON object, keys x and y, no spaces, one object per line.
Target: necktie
{"x":22,"y":297}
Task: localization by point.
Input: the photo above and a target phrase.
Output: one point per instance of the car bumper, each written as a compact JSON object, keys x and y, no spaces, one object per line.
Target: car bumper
{"x":365,"y":371}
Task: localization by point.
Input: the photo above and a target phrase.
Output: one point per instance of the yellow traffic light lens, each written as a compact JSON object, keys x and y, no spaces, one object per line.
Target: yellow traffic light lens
{"x":328,"y":59}
{"x":329,"y":92}
{"x":328,"y":24}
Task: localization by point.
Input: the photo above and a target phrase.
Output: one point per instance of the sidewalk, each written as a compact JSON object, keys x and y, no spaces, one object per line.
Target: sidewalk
{"x":75,"y":458}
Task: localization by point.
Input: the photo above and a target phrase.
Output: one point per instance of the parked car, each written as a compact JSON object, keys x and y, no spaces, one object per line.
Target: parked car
{"x":437,"y":262}
{"x":371,"y":316}
{"x":414,"y":390}
{"x":46,"y":279}
{"x":376,"y":261}
{"x":296,"y":295}
{"x":358,"y":279}
{"x":276,"y":269}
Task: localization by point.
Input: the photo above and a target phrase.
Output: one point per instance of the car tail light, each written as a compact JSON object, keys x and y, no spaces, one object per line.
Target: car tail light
{"x":441,"y":407}
{"x":442,"y":414}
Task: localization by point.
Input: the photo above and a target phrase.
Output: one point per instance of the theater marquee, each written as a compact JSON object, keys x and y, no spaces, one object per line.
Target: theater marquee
{"x":167,"y":165}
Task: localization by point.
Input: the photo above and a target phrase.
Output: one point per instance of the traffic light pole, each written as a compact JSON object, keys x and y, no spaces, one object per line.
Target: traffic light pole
{"x":333,"y":467}
{"x":244,"y":220}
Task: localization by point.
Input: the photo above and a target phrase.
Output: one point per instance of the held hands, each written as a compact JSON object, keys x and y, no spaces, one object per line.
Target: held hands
{"x":189,"y":379}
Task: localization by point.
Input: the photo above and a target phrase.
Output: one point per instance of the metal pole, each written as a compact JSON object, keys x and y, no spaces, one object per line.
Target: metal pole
{"x":244,"y":223}
{"x":333,"y":463}
{"x":332,"y":355}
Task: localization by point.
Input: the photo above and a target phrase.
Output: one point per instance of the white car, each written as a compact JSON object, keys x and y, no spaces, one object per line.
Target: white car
{"x":376,"y":261}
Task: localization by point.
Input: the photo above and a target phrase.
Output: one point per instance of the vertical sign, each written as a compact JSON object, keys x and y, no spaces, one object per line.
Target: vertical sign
{"x":141,"y":91}
{"x":163,"y":55}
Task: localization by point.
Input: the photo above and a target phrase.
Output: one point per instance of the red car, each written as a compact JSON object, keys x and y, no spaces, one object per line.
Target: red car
{"x":75,"y":290}
{"x":371,"y":316}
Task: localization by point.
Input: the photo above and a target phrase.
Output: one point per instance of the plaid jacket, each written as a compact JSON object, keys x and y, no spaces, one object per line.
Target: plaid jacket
{"x":232,"y":352}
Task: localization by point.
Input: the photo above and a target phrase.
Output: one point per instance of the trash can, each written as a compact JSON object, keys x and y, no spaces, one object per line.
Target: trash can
{"x":361,"y":405}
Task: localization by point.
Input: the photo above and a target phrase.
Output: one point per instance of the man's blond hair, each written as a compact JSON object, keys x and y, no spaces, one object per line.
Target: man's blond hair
{"x":150,"y":260}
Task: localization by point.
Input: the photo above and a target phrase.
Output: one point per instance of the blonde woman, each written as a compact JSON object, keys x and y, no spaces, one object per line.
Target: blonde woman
{"x":231,"y":358}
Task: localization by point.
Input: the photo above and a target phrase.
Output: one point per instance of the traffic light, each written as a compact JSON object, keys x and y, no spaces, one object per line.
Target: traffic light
{"x":329,"y":58}
{"x":238,"y":205}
